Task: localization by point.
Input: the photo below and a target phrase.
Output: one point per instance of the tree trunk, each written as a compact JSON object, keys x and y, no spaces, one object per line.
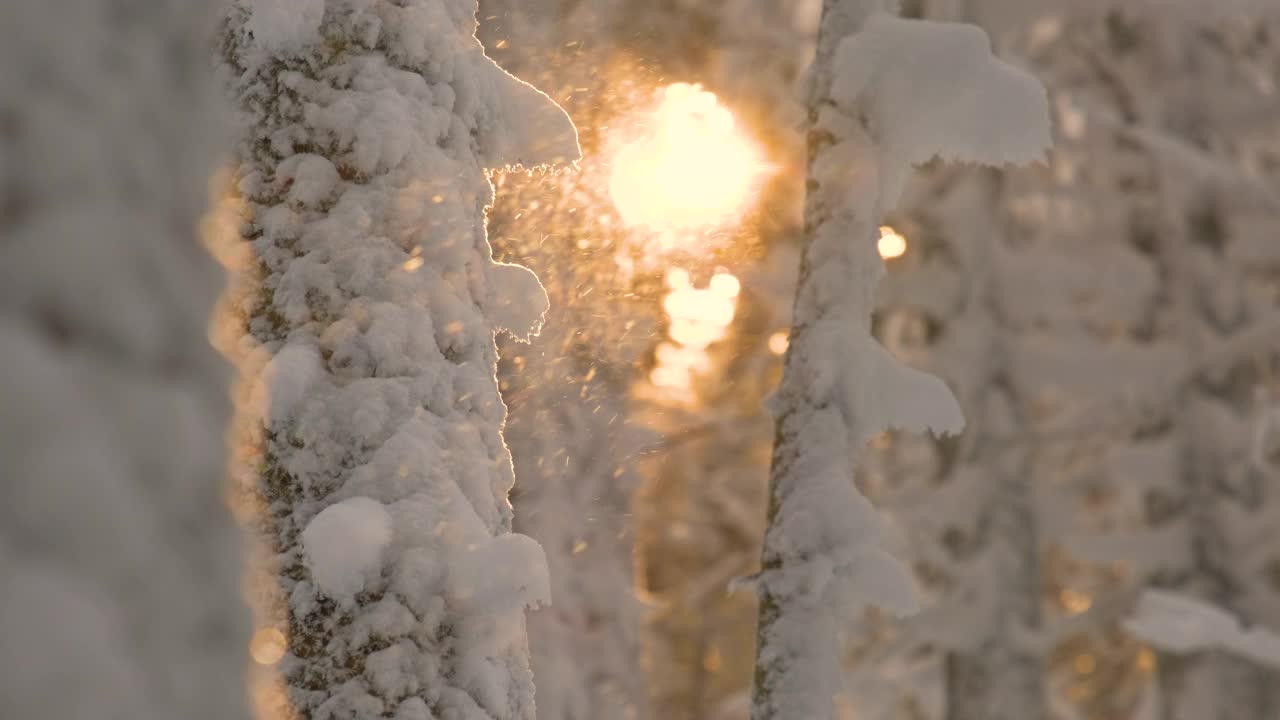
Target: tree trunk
{"x":120,"y":562}
{"x":798,"y":651}
{"x":382,"y":475}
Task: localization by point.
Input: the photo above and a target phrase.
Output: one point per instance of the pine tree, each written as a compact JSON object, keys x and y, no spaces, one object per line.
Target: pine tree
{"x":1081,"y":307}
{"x":382,"y":475}
{"x":870,"y":120}
{"x":120,"y":561}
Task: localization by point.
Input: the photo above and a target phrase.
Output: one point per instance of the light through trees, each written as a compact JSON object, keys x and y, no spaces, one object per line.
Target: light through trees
{"x":697,"y":317}
{"x":686,"y":169}
{"x":689,"y":167}
{"x":892,"y":244}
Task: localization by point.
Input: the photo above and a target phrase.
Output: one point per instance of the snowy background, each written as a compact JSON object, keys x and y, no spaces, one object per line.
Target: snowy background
{"x":631,"y":359}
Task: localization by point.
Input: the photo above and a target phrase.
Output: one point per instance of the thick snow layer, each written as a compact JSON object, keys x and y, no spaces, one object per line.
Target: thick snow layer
{"x":934,"y":89}
{"x":120,"y":573}
{"x":287,"y":379}
{"x":368,"y":314}
{"x":345,"y":544}
{"x":281,"y":26}
{"x":891,"y":95}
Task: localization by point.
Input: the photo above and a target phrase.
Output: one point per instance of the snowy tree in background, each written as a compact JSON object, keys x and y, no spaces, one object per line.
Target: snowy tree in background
{"x":1052,"y":279}
{"x":871,"y":119}
{"x":369,"y":308}
{"x":120,"y":563}
{"x":1202,"y":190}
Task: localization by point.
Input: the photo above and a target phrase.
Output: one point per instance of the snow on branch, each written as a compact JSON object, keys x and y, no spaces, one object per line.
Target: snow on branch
{"x":892,"y":95}
{"x":1179,"y":624}
{"x":933,"y":89}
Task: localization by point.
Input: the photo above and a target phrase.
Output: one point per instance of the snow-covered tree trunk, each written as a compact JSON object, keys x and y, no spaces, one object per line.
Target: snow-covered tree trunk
{"x":120,"y":563}
{"x":368,"y":126}
{"x":798,"y":650}
{"x":871,"y":117}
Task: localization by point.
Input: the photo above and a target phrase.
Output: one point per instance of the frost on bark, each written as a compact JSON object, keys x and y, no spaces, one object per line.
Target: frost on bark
{"x":887,"y":94}
{"x":119,"y":560}
{"x":368,"y":306}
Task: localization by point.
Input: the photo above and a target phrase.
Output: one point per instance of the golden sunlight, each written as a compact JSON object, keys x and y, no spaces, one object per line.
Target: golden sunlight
{"x":892,"y":244}
{"x":267,"y":646}
{"x":779,"y":342}
{"x":1074,"y":602}
{"x":691,"y":167}
{"x":698,"y":318}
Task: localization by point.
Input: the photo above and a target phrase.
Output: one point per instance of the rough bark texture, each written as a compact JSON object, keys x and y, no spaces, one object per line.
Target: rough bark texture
{"x":369,"y":303}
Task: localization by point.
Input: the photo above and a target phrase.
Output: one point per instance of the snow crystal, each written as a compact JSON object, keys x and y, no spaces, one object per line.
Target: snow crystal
{"x":344,"y":546}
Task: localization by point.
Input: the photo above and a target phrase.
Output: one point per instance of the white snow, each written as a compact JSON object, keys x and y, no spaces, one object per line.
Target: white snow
{"x":283,"y":26}
{"x":891,"y":95}
{"x":506,"y":573}
{"x":345,"y":545}
{"x":287,"y":379}
{"x":120,"y":564}
{"x":934,"y":89}
{"x":1180,"y":624}
{"x":517,"y":302}
{"x":375,"y":295}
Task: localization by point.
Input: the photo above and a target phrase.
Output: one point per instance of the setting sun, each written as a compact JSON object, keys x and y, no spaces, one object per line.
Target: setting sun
{"x":691,"y":167}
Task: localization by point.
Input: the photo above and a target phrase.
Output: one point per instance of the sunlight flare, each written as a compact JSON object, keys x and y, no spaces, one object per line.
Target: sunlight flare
{"x":892,"y":244}
{"x":698,"y":317}
{"x":692,"y":167}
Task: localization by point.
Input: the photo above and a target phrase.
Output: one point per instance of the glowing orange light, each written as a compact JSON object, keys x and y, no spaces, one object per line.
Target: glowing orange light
{"x":725,"y":285}
{"x":1085,"y":664}
{"x":690,"y":169}
{"x":779,"y":342}
{"x":1075,"y":602}
{"x":891,"y":245}
{"x":698,"y":317}
{"x":712,"y":660}
{"x":267,"y":646}
{"x":1146,"y":660}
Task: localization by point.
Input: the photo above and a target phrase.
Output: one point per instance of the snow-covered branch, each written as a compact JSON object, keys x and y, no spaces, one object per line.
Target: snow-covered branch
{"x":1179,"y":624}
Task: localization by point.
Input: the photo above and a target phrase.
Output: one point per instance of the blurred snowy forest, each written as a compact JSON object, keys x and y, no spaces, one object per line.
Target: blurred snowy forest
{"x":497,"y":366}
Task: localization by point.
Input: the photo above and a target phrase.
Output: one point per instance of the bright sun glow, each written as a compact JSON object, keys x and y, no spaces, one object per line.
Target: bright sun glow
{"x":698,"y":317}
{"x":691,"y":168}
{"x":892,"y":244}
